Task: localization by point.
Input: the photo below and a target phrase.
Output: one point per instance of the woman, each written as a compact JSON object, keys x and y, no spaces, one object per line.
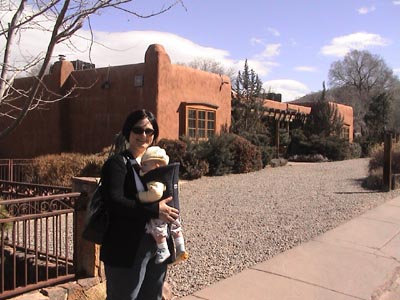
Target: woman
{"x":127,"y":252}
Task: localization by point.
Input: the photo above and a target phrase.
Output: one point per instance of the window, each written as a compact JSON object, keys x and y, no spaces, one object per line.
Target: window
{"x":138,"y":80}
{"x":200,"y":122}
{"x":345,"y":132}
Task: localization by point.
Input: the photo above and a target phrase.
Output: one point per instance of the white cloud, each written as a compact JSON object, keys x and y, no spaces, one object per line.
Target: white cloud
{"x":130,"y":47}
{"x":121,"y":48}
{"x":290,"y":89}
{"x":292,"y":42}
{"x":117,"y":48}
{"x":273,"y":31}
{"x":261,"y":62}
{"x":261,"y":67}
{"x":271,"y":50}
{"x":396,"y":70}
{"x":396,"y":2}
{"x":305,"y":69}
{"x":366,"y":10}
{"x":28,"y":43}
{"x":256,"y":41}
{"x":341,"y":45}
{"x":109,"y":48}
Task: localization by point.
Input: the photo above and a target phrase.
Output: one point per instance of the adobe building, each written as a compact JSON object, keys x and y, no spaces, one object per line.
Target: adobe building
{"x":96,"y":102}
{"x":285,"y":113}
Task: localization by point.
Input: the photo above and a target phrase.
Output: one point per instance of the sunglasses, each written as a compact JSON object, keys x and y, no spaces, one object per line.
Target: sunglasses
{"x":140,"y":130}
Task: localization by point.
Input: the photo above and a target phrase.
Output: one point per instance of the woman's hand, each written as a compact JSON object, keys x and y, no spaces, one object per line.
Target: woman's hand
{"x":166,"y":212}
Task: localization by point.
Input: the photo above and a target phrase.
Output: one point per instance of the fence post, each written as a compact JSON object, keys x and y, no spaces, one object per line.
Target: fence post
{"x":86,"y":254}
{"x":10,"y":170}
{"x":387,"y":162}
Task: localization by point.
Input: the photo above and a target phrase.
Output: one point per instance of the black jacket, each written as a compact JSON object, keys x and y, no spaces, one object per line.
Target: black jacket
{"x":128,"y":216}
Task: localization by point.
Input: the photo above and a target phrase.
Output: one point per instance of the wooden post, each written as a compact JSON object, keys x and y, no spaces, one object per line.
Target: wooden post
{"x":87,"y":256}
{"x":387,"y":162}
{"x":277,"y":125}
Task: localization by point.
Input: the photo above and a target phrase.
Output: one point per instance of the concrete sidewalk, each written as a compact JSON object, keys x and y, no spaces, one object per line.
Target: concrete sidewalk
{"x":359,"y":259}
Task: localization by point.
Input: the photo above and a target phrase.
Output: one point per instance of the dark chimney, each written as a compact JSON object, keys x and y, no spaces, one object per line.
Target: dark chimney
{"x":274,"y":97}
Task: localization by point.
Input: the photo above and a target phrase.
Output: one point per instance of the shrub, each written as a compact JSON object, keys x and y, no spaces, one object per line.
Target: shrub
{"x":4,"y":214}
{"x":194,"y":163}
{"x":376,"y":161}
{"x":375,"y":174}
{"x":355,"y":150}
{"x":262,"y":141}
{"x":299,"y":144}
{"x":267,"y":154}
{"x":332,"y":147}
{"x":217,"y":151}
{"x":247,"y":157}
{"x":58,"y":169}
{"x":219,"y":155}
{"x":187,"y":153}
{"x":175,"y":149}
{"x":377,"y":158}
{"x":374,"y":180}
{"x":365,"y":144}
{"x":278,"y":162}
{"x":308,"y":158}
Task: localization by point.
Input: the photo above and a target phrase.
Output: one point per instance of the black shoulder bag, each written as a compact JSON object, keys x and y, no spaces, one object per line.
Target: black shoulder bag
{"x":97,"y":217}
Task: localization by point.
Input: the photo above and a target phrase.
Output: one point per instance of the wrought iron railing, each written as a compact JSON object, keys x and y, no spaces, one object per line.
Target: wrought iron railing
{"x":13,"y":169}
{"x":15,"y":190}
{"x":37,"y":237}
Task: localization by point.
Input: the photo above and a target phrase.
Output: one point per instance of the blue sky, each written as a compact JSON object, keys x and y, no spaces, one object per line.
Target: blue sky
{"x":289,"y":43}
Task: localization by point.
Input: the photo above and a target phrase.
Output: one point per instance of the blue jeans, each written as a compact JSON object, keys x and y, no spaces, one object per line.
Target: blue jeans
{"x":143,"y":281}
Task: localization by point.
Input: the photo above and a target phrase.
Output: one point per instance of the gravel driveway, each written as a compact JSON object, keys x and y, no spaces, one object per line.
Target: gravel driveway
{"x":236,"y":221}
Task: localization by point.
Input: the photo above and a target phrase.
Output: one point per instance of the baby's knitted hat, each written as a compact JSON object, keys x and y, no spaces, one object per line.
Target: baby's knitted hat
{"x":155,"y":153}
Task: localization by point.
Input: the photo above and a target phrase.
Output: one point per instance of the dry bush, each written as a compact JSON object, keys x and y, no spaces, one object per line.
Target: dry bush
{"x":58,"y":169}
{"x":375,"y":176}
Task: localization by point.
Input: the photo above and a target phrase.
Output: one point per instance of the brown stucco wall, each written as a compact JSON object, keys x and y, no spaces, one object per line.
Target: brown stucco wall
{"x":180,"y":84}
{"x":96,"y":113}
{"x":90,"y":117}
{"x":40,"y":131}
{"x":347,"y":113}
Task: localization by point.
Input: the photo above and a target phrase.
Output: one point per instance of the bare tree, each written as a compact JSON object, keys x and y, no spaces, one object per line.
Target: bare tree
{"x":212,"y":66}
{"x":362,"y":76}
{"x":394,"y":123}
{"x":363,"y":71}
{"x":66,"y":17}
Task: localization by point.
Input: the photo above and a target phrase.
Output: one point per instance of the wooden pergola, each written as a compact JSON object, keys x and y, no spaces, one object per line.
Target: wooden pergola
{"x":282,"y":119}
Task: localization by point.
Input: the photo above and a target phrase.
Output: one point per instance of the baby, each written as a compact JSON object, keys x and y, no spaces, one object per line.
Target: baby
{"x":155,"y":158}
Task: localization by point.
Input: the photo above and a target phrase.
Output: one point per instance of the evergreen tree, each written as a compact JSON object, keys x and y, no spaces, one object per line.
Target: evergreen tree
{"x":377,"y":117}
{"x":321,"y":133}
{"x":247,"y":103}
{"x":324,"y":119}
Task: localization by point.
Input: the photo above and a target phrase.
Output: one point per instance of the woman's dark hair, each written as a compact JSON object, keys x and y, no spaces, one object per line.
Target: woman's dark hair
{"x":135,"y":117}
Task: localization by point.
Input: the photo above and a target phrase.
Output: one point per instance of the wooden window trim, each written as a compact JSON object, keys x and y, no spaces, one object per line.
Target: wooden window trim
{"x":200,"y":107}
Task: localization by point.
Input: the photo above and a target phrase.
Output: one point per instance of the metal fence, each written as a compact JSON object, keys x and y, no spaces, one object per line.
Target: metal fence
{"x":15,"y":190}
{"x":13,"y":169}
{"x":37,"y":237}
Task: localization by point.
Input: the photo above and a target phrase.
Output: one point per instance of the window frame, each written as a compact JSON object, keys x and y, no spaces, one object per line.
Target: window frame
{"x":209,"y":129}
{"x":345,"y":132}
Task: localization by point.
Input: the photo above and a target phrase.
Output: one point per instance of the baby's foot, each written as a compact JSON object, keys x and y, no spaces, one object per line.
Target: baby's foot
{"x":181,"y":256}
{"x":162,"y":255}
